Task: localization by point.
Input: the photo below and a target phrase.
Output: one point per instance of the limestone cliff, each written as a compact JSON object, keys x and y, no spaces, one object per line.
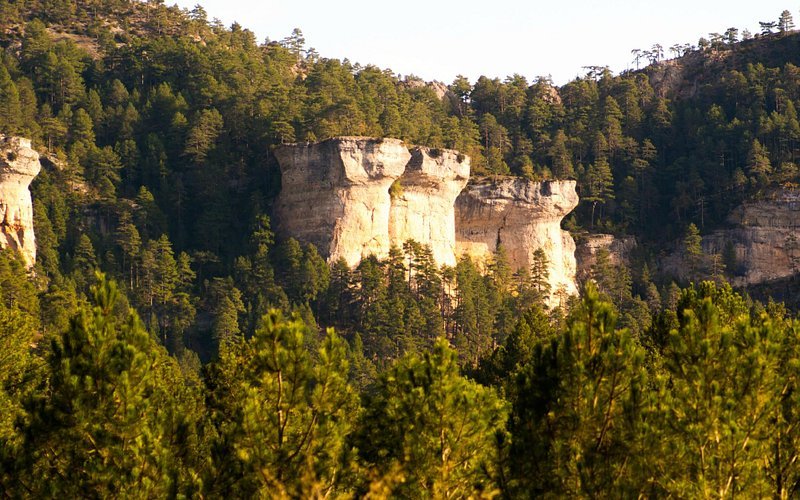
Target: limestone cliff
{"x":335,"y":194}
{"x":422,"y":207}
{"x":19,"y":164}
{"x":764,"y":235}
{"x":522,"y":216}
{"x":357,"y":196}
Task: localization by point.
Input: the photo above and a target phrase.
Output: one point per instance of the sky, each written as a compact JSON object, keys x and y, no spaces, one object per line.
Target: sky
{"x":440,"y":39}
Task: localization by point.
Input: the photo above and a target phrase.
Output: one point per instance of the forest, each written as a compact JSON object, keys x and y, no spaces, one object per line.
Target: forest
{"x":168,"y":344}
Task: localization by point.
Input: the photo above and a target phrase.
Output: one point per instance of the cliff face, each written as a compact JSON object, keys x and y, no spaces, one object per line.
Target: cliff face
{"x":522,"y":216}
{"x":19,"y":164}
{"x":422,"y":206}
{"x":335,"y":194}
{"x":356,"y":196}
{"x":765,"y":237}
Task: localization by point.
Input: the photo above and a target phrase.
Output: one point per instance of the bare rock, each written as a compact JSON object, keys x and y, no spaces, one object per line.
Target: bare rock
{"x":19,"y":164}
{"x":355,"y":196}
{"x":522,"y":216}
{"x":588,"y":246}
{"x":335,"y":194}
{"x":422,"y":206}
{"x":764,"y":235}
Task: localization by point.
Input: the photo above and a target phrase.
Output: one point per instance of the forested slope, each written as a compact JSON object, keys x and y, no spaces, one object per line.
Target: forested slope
{"x":155,"y":126}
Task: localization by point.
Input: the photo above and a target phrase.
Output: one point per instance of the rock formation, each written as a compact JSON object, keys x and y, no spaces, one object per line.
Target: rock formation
{"x":422,"y":203}
{"x":356,"y":196}
{"x":335,"y":194}
{"x":19,"y":164}
{"x":522,"y":216}
{"x":764,"y":236}
{"x":588,"y":245}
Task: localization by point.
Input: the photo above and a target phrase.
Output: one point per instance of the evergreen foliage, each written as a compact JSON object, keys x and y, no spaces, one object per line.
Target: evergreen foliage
{"x":439,"y":382}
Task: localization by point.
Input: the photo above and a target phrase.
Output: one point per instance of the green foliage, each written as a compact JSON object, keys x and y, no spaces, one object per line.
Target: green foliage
{"x":175,"y":115}
{"x":112,"y":416}
{"x":282,"y":415}
{"x":10,"y":111}
{"x":17,"y":333}
{"x":435,"y":428}
{"x":574,"y":404}
{"x":717,"y":408}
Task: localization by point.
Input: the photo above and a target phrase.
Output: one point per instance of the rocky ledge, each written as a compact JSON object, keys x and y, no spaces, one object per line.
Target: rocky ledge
{"x":763,"y":238}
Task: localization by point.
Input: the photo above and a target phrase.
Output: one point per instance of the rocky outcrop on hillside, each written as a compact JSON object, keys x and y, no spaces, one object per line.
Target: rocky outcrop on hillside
{"x":521,"y":216}
{"x":422,"y":205}
{"x":764,"y":238}
{"x":357,"y":196}
{"x":335,"y":194}
{"x":19,"y":164}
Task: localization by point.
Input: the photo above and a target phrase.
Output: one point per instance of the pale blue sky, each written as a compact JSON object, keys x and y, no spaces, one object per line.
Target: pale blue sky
{"x":437,"y":40}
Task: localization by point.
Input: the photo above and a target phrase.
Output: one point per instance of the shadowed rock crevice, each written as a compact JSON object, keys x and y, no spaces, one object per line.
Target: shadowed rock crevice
{"x":424,"y":209}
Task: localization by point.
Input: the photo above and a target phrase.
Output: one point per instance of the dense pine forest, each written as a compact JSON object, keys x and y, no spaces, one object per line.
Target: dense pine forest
{"x":167,"y":344}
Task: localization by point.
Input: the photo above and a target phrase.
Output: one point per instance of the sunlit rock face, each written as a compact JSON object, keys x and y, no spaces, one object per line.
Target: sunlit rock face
{"x":357,"y":196}
{"x":764,"y":236}
{"x":521,"y":216}
{"x":19,"y":164}
{"x":422,"y":206}
{"x":335,"y":194}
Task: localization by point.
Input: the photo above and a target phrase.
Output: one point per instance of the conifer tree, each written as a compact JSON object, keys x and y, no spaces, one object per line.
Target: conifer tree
{"x":574,"y":404}
{"x":10,"y":110}
{"x":434,"y":428}
{"x":719,"y":399}
{"x":282,"y":415}
{"x":112,"y":416}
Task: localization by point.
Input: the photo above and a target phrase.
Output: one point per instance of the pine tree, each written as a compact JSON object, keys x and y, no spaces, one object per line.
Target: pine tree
{"x":17,"y":334}
{"x":560,"y":157}
{"x":574,"y":405}
{"x":434,"y":427}
{"x":10,"y":110}
{"x":203,"y":135}
{"x":113,"y":416}
{"x":719,"y":398}
{"x":599,"y":182}
{"x":282,"y":415}
{"x":758,"y":163}
{"x":694,"y":258}
{"x":785,"y":22}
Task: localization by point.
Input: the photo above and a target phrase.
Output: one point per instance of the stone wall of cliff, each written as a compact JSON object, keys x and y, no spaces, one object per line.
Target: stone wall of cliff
{"x":19,"y":164}
{"x":522,"y":216}
{"x":335,"y":194}
{"x":589,"y":245}
{"x":422,"y":206}
{"x":765,"y":237}
{"x":356,"y":196}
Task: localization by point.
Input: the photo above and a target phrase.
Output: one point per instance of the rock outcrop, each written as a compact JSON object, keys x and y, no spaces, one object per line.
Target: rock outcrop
{"x":19,"y":164}
{"x":522,"y":216}
{"x":422,"y":206}
{"x":588,"y":246}
{"x":357,"y":196}
{"x":764,"y":237}
{"x":335,"y":194}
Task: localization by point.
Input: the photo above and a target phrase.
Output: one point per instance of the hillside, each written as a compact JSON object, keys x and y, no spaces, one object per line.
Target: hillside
{"x":145,"y":108}
{"x":140,"y":110}
{"x":173,"y":339}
